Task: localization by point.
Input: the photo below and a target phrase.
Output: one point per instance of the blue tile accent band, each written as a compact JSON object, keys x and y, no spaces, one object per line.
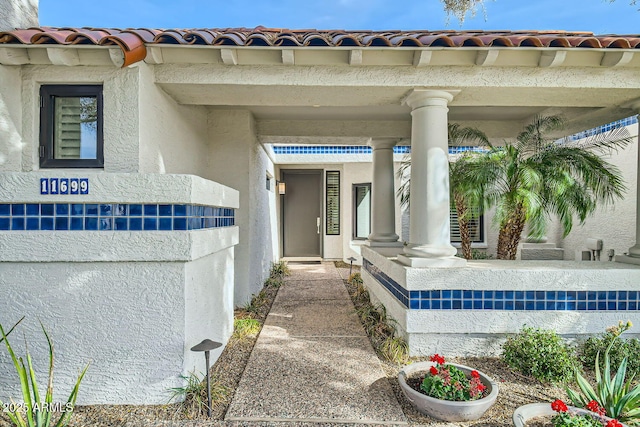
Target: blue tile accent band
{"x":507,"y":300}
{"x":112,"y":216}
{"x":353,"y":149}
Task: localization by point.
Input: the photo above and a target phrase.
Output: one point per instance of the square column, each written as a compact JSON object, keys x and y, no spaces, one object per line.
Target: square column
{"x":383,"y":202}
{"x":429,"y":231}
{"x":633,"y":256}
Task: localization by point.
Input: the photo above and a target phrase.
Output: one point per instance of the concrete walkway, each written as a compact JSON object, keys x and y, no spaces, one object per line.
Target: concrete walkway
{"x":313,"y":362}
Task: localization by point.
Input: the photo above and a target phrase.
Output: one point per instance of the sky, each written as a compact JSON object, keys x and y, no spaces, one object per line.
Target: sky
{"x":597,"y":16}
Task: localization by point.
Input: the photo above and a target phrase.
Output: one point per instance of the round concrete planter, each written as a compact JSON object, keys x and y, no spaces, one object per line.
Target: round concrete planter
{"x":527,"y":412}
{"x":447,"y":410}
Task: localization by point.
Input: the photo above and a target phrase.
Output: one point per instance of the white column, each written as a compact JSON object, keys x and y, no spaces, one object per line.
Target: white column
{"x":633,"y":256}
{"x":383,"y":201}
{"x":429,"y":227}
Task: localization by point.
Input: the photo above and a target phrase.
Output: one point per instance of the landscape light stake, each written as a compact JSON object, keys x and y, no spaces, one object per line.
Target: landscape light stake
{"x":207,"y":346}
{"x":351,"y":266}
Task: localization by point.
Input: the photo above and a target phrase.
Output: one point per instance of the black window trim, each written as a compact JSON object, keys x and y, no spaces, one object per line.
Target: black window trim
{"x":47,"y":94}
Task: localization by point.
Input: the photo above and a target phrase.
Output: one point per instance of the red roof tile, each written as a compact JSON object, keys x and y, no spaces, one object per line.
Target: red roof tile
{"x":133,"y":41}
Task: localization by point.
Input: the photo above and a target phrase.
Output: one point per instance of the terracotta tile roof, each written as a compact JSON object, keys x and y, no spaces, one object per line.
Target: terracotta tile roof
{"x":132,"y":41}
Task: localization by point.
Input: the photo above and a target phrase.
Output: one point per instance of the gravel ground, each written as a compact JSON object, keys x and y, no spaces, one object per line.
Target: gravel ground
{"x":515,"y":390}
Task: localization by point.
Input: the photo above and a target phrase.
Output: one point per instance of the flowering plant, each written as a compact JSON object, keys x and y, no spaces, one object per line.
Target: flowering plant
{"x":566,"y":418}
{"x":446,"y":382}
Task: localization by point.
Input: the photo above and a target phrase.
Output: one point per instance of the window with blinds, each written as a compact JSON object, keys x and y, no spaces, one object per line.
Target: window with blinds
{"x":333,"y":202}
{"x":71,"y":126}
{"x":476,"y":228}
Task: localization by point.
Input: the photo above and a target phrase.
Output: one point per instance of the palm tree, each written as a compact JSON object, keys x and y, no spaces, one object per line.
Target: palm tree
{"x":465,"y":199}
{"x":536,"y":177}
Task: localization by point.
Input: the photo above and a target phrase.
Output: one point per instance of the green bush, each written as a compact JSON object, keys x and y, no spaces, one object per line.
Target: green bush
{"x":541,"y":354}
{"x":279,"y":270}
{"x":621,"y":348}
{"x":355,"y":279}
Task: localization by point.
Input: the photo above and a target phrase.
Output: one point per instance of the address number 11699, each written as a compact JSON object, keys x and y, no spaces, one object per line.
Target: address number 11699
{"x":64,"y":186}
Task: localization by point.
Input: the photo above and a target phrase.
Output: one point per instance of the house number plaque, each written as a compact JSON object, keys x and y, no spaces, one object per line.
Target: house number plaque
{"x":64,"y":185}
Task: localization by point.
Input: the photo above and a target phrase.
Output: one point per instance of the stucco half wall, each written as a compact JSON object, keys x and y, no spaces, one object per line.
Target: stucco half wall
{"x":470,"y":311}
{"x":130,"y":302}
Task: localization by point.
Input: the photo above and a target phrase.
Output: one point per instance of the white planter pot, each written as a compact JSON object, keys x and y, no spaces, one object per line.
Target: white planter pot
{"x":447,"y":410}
{"x":527,"y":412}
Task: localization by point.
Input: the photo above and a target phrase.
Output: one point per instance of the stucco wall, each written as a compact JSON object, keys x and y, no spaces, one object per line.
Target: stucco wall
{"x":238,"y":161}
{"x":121,"y":118}
{"x":132,"y":302}
{"x":18,"y":14}
{"x":11,"y":141}
{"x":173,"y":137}
{"x":614,"y":224}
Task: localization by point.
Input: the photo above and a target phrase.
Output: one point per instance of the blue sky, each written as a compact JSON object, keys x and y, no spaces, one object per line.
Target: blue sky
{"x":598,"y":16}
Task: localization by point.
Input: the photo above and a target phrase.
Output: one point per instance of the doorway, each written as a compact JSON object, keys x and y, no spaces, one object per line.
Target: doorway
{"x":302,"y":214}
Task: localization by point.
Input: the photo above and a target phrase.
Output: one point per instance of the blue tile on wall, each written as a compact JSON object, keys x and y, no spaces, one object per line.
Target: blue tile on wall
{"x":5,"y":209}
{"x":77,"y":209}
{"x":456,"y":294}
{"x":135,"y":224}
{"x":611,"y":305}
{"x":91,"y":210}
{"x":47,"y":209}
{"x":425,"y":305}
{"x":33,"y":209}
{"x":91,"y":224}
{"x":446,"y":305}
{"x":415,"y":304}
{"x":165,"y":224}
{"x":150,"y":223}
{"x":582,"y":305}
{"x":106,"y":210}
{"x":632,"y":305}
{"x":5,"y":223}
{"x":135,"y":210}
{"x":33,"y":223}
{"x":17,"y":223}
{"x":76,"y":224}
{"x":498,"y":305}
{"x":17,"y":209}
{"x":591,"y":296}
{"x":46,"y":223}
{"x":121,"y":224}
{"x":164,"y":210}
{"x":633,"y":295}
{"x":120,"y":209}
{"x":62,"y":209}
{"x":179,"y":210}
{"x":150,"y":210}
{"x":456,"y":304}
{"x":582,"y":295}
{"x":446,"y":294}
{"x":62,"y":223}
{"x":106,"y":224}
{"x":435,"y":304}
{"x":622,"y":295}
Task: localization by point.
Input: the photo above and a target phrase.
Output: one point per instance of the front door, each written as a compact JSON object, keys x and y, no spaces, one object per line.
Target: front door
{"x":302,"y":213}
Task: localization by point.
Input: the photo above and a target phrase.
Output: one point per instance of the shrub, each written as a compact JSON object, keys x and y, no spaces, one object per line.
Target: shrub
{"x":541,"y":354}
{"x":193,"y":395}
{"x":395,"y":349}
{"x":279,"y":270}
{"x":245,"y":328}
{"x":621,"y":348}
{"x":273,"y":282}
{"x":355,"y":279}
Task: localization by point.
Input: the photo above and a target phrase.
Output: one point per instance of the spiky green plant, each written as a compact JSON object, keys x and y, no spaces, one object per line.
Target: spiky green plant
{"x":619,"y":396}
{"x":38,"y":412}
{"x":192,"y":396}
{"x":395,"y":349}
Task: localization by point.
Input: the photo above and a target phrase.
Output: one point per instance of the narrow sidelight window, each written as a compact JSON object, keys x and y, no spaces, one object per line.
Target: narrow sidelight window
{"x":361,"y":211}
{"x":333,"y":202}
{"x":71,"y":120}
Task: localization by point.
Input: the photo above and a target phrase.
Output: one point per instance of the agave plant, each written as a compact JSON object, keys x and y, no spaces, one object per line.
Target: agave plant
{"x":616,"y":394}
{"x":38,"y":412}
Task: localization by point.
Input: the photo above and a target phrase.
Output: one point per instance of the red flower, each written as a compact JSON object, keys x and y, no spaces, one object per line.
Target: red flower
{"x":613,"y":423}
{"x":593,"y":406}
{"x":475,"y":374}
{"x":433,"y":370}
{"x":560,"y":406}
{"x":437,"y":358}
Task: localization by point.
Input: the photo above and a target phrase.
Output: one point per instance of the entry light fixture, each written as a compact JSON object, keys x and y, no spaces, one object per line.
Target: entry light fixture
{"x":282,"y":188}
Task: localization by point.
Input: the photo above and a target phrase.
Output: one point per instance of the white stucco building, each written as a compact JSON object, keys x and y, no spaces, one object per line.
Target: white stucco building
{"x":140,"y":171}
